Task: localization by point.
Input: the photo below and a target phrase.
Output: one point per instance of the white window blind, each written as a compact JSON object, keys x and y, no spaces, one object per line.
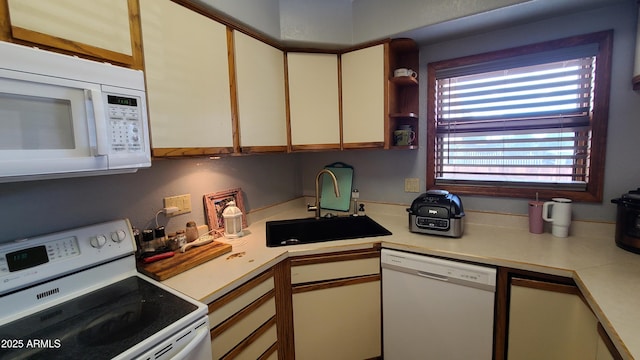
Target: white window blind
{"x":522,"y":120}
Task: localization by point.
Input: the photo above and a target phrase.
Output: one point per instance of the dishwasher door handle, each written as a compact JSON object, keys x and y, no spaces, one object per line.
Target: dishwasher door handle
{"x":433,"y":276}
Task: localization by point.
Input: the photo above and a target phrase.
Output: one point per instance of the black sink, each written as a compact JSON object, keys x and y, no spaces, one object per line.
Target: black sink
{"x":311,"y":230}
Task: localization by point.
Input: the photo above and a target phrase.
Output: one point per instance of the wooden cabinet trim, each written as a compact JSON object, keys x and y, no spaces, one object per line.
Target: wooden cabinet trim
{"x":233,"y":89}
{"x":543,"y":285}
{"x":547,"y":286}
{"x":263,"y":149}
{"x":73,"y":47}
{"x":387,"y":74}
{"x":195,"y":151}
{"x":501,"y":315}
{"x":284,"y":310}
{"x":270,"y":351}
{"x":340,"y":104}
{"x":237,"y":317}
{"x":217,"y":304}
{"x":607,"y":341}
{"x":5,"y":21}
{"x":135,"y":28}
{"x":315,"y":147}
{"x":363,"y":145}
{"x":327,"y":284}
{"x":340,"y":256}
{"x":287,"y":102}
{"x":238,"y":349}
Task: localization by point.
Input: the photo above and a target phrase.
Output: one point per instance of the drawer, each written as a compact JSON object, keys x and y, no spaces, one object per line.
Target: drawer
{"x":227,"y":306}
{"x":256,"y":347}
{"x":334,"y":270}
{"x":236,"y":329}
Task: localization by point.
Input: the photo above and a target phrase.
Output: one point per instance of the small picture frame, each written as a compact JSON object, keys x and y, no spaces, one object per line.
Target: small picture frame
{"x":214,"y":204}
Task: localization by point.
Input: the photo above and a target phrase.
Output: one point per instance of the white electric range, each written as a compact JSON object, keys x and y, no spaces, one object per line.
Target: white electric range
{"x":76,"y":294}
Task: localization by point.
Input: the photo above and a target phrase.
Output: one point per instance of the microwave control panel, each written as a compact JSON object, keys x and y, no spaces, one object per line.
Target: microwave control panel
{"x":125,"y":123}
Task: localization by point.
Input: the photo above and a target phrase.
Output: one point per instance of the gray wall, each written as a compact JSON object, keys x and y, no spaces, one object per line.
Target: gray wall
{"x":380,"y":175}
{"x":326,"y":21}
{"x":263,"y":15}
{"x":371,"y":17}
{"x":38,"y":207}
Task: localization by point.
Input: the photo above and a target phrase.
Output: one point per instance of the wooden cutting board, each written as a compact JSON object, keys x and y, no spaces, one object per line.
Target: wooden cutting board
{"x":166,"y":268}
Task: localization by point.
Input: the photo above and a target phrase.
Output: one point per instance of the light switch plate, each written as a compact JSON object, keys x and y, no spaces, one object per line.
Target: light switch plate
{"x":182,"y":202}
{"x":412,"y":185}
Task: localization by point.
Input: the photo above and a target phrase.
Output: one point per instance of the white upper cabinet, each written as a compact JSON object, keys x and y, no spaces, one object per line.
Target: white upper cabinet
{"x":314,"y":100}
{"x":260,"y":87}
{"x":187,"y":72}
{"x":363,"y":97}
{"x":86,"y":27}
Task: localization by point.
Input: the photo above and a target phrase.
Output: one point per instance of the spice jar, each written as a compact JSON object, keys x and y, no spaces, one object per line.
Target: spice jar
{"x":147,"y":240}
{"x":181,"y":238}
{"x":192,"y":231}
{"x":172,"y":242}
{"x":160,"y":238}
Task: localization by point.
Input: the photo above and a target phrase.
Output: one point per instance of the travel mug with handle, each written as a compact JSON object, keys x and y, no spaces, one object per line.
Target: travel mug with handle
{"x":560,"y":217}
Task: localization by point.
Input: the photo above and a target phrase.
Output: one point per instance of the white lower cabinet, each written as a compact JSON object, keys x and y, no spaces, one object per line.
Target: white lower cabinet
{"x":336,"y":306}
{"x":549,"y":321}
{"x":340,"y":322}
{"x":243,"y":322}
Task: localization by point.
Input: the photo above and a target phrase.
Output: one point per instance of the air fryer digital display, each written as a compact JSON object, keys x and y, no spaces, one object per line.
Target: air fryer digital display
{"x":432,"y":223}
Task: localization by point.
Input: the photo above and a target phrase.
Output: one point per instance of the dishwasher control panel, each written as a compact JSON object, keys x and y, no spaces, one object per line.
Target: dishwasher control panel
{"x":440,"y":269}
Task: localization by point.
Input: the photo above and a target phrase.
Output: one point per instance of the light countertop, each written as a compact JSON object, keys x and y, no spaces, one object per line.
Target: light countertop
{"x":607,"y":275}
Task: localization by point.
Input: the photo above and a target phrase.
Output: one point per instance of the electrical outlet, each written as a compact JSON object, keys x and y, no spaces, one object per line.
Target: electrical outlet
{"x":182,"y":202}
{"x":412,"y":185}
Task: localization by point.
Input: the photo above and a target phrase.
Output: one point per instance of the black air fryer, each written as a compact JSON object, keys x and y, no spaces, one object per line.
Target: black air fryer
{"x":437,"y":212}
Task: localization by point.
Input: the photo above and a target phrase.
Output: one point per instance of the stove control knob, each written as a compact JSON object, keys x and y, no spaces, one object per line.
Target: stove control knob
{"x":118,"y":236}
{"x":98,"y":241}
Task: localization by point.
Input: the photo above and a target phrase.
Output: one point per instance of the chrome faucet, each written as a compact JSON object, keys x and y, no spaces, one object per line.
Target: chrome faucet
{"x":316,"y":208}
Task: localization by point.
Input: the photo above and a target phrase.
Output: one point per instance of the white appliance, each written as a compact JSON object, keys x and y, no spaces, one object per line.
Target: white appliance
{"x":436,"y":309}
{"x":77,"y":294}
{"x":63,"y":116}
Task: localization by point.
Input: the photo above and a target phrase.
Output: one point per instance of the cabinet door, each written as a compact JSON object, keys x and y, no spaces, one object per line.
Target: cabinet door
{"x":187,"y":73}
{"x":261,"y":95}
{"x":363,"y":97}
{"x":99,"y":28}
{"x":549,"y":321}
{"x":313,"y":101}
{"x":336,"y":305}
{"x":341,"y":322}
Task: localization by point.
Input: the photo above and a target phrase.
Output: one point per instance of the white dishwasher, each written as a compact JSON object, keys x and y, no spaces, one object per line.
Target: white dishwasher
{"x":436,"y":309}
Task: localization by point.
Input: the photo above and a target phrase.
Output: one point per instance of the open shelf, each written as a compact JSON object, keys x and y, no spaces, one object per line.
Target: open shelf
{"x":403,"y":91}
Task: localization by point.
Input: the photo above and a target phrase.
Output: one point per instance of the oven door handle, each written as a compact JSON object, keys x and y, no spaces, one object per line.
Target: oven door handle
{"x":185,"y":353}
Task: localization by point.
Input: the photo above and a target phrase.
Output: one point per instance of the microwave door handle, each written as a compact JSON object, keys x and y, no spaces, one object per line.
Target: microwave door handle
{"x":100,"y":121}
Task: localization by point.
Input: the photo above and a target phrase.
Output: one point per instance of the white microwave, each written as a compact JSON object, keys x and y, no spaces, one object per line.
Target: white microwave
{"x":62,"y":116}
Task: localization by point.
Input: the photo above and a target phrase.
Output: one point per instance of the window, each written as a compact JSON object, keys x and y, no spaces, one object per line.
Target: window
{"x":523,"y":121}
